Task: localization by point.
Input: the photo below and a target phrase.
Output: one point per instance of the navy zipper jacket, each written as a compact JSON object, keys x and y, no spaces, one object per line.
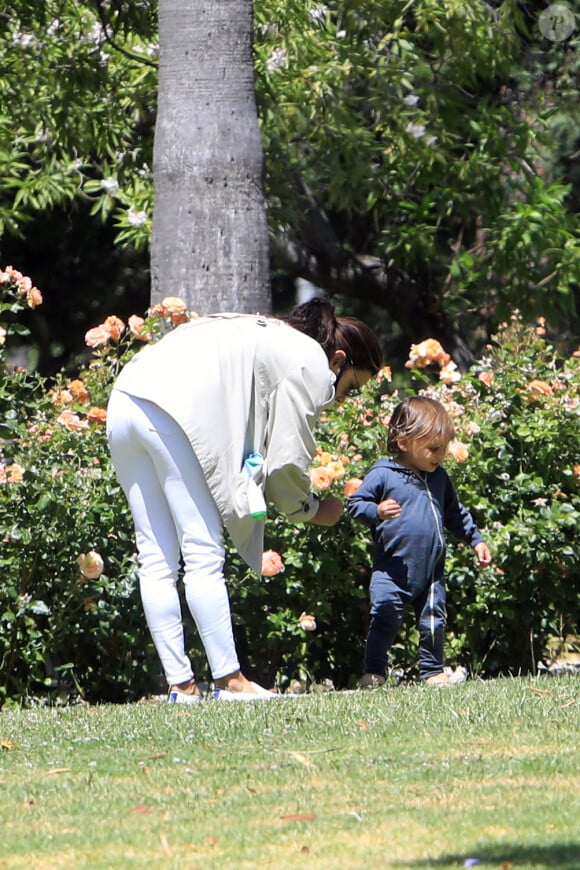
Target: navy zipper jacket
{"x":411,"y":548}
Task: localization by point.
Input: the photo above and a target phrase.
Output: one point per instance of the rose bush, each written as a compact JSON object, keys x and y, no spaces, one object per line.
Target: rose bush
{"x":515,"y":464}
{"x":70,"y":616}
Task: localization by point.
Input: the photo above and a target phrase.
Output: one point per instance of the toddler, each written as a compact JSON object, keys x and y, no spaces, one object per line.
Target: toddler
{"x":408,"y":502}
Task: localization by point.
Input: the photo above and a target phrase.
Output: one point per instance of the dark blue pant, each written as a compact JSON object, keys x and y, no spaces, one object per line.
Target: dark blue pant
{"x":388,"y":603}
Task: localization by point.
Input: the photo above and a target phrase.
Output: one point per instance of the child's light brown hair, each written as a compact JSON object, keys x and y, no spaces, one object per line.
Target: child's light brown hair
{"x":419,"y":418}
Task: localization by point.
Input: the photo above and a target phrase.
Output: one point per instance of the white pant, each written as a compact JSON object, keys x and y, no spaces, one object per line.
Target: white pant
{"x":175,"y":518}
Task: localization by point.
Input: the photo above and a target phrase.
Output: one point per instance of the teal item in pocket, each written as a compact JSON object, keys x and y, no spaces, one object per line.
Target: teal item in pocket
{"x":253,"y":465}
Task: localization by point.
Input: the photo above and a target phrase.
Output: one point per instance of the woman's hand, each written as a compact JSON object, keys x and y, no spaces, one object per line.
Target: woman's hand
{"x":329,"y":512}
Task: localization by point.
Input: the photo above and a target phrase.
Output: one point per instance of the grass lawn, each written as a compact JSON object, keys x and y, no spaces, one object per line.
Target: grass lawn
{"x":403,"y":778}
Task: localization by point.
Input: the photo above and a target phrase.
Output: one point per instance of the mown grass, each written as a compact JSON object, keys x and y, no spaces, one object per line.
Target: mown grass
{"x":403,"y":778}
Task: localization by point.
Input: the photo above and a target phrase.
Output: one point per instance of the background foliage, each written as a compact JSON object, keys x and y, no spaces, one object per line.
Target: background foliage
{"x":62,"y":632}
{"x":421,"y":162}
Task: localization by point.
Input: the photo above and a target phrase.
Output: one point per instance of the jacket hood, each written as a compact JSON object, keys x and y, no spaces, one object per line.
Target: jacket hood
{"x":394,"y":466}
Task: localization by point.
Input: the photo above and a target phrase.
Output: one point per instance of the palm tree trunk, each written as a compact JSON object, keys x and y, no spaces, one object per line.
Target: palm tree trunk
{"x":210,"y":238}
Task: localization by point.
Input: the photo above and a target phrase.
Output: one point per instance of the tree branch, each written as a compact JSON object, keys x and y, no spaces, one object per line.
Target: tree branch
{"x":369,"y":278}
{"x":324,"y":261}
{"x":109,"y":38}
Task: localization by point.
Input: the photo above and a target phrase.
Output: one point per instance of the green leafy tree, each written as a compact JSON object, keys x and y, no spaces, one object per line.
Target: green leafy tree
{"x":419,"y":156}
{"x":416,"y":141}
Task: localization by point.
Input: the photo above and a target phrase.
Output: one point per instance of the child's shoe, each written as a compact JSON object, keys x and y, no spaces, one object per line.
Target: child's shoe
{"x":371,"y":681}
{"x":438,"y":681}
{"x":459,"y":675}
{"x":176,"y":697}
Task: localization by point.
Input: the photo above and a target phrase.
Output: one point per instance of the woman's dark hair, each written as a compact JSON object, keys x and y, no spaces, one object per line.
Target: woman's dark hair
{"x":316,"y":318}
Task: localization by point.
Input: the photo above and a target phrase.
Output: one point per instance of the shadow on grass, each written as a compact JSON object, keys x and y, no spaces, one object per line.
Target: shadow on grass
{"x":561,"y":857}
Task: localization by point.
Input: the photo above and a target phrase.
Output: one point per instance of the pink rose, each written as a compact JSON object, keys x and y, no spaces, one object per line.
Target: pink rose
{"x":307,"y":622}
{"x":136,"y":327}
{"x":91,"y":564}
{"x":72,"y":421}
{"x":97,"y":336}
{"x":272,"y":563}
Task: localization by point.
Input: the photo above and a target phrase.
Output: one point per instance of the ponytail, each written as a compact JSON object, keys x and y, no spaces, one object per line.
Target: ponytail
{"x":316,"y":318}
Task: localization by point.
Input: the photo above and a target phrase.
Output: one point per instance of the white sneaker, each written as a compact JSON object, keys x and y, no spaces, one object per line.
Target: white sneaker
{"x":261,"y":694}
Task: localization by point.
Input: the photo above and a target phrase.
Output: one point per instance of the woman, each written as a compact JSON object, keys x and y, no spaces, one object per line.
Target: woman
{"x":184,"y":416}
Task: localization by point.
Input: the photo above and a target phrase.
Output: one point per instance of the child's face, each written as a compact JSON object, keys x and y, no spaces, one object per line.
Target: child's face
{"x":425,"y":454}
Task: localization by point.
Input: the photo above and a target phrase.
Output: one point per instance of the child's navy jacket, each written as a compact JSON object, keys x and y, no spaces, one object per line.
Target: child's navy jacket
{"x":411,"y":548}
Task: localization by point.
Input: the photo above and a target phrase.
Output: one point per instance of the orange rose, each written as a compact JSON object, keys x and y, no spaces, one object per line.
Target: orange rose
{"x":61,"y":397}
{"x":174,"y":308}
{"x":11,"y":474}
{"x":114,"y":326}
{"x":486,"y":378}
{"x":15,"y":473}
{"x":272,"y":563}
{"x":79,"y":391}
{"x":97,"y":415}
{"x":336,"y":470}
{"x":351,"y":486}
{"x":33,"y":297}
{"x":539,"y":388}
{"x":425,"y":353}
{"x":458,"y":450}
{"x":320,"y":478}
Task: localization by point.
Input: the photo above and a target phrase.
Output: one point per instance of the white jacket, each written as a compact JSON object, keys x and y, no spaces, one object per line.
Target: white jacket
{"x":241,"y":384}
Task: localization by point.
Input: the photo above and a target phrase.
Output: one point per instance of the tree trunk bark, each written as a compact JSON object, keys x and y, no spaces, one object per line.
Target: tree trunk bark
{"x":210,"y":238}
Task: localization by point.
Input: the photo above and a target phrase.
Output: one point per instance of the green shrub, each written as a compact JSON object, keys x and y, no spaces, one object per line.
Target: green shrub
{"x":516,"y":415}
{"x":64,"y":631}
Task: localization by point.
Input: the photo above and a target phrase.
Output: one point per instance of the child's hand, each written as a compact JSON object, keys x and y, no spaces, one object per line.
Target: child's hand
{"x":483,"y":554}
{"x":389,"y":509}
